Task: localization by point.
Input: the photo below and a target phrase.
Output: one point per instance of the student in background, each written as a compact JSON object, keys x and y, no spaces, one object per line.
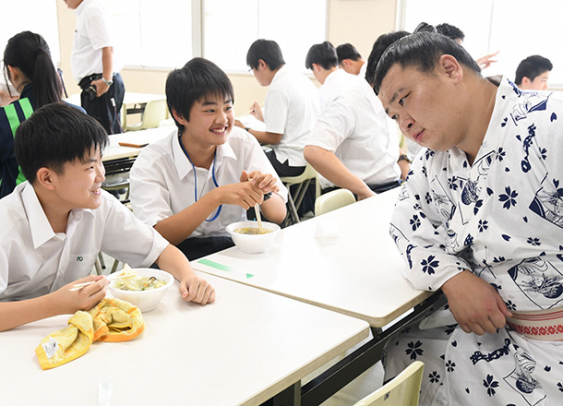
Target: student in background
{"x":204,"y":176}
{"x":291,"y":107}
{"x":95,"y":64}
{"x":29,"y":68}
{"x":480,"y":219}
{"x":533,"y":73}
{"x":55,"y":224}
{"x":7,"y":92}
{"x":350,"y":59}
{"x":353,"y":145}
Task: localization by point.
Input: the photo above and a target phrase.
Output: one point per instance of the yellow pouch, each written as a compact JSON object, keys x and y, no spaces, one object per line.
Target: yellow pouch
{"x":67,"y":344}
{"x":110,"y":320}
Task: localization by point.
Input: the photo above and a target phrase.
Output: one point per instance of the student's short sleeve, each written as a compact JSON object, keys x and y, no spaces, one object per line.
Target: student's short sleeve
{"x":332,"y":128}
{"x":129,"y":240}
{"x":97,"y":28}
{"x":3,"y":270}
{"x":276,"y":108}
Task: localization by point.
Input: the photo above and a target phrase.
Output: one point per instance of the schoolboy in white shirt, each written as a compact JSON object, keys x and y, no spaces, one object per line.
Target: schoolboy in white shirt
{"x":291,"y":107}
{"x":353,"y":145}
{"x":205,"y":175}
{"x":55,"y":224}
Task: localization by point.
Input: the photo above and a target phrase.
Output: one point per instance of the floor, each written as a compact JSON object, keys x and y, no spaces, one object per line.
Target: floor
{"x":362,"y":386}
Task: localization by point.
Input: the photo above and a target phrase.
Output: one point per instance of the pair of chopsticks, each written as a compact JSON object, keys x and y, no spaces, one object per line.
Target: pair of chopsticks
{"x":112,"y":277}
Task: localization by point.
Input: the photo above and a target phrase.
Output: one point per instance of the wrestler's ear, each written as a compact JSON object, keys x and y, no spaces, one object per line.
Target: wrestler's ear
{"x":449,"y":65}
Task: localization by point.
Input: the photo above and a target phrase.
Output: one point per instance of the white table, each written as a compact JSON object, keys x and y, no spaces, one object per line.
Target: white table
{"x":115,"y":151}
{"x":242,"y":350}
{"x":358,"y":273}
{"x":354,"y":269}
{"x":130,"y":98}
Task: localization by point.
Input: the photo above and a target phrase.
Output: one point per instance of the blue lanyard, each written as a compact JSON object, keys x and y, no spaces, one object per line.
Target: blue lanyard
{"x":195,"y":176}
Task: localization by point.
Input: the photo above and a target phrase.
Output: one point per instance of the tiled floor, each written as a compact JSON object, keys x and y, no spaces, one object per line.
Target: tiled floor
{"x":362,"y":386}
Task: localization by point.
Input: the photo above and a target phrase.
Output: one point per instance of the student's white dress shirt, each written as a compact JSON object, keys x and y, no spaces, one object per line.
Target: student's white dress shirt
{"x":163,"y":182}
{"x":335,"y":85}
{"x":93,"y":32}
{"x":34,"y":260}
{"x":291,"y":108}
{"x":356,"y":129}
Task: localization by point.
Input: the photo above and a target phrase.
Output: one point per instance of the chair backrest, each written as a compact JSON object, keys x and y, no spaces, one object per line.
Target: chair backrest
{"x":155,"y":112}
{"x":333,"y":200}
{"x":403,"y":390}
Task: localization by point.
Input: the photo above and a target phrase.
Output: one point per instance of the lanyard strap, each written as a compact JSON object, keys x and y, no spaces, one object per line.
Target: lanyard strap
{"x":195,"y":176}
{"x":14,"y":122}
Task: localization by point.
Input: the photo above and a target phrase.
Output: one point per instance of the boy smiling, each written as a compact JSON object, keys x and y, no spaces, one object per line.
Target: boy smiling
{"x":204,"y":176}
{"x":56,"y":223}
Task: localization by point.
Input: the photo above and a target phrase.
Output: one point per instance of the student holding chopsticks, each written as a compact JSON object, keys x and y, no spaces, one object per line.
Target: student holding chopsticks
{"x":55,"y":224}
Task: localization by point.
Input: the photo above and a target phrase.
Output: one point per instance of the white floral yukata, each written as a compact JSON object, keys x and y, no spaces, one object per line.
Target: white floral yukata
{"x":501,"y":218}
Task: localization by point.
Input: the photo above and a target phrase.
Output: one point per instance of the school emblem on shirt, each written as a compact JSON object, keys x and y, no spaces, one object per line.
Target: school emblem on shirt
{"x":79,"y":259}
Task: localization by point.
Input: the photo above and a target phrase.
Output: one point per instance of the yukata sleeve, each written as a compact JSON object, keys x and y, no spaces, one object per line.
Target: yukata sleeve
{"x":420,"y":235}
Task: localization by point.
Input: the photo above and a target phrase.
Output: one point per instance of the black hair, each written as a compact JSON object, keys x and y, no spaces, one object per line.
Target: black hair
{"x":531,"y":67}
{"x":424,"y":27}
{"x":379,"y":47}
{"x":322,"y":54}
{"x":30,"y":53}
{"x":421,"y":50}
{"x":450,"y":31}
{"x":347,"y":51}
{"x":267,"y":50}
{"x":54,"y":135}
{"x":195,"y":80}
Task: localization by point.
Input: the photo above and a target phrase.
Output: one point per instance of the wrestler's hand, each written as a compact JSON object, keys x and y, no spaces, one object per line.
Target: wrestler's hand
{"x":475,"y":304}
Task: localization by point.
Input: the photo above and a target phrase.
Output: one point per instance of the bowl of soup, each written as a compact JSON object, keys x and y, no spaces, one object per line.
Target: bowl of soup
{"x":247,"y":237}
{"x":144,"y":288}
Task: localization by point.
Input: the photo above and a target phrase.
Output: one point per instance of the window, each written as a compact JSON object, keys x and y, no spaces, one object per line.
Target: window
{"x":516,"y":28}
{"x":32,"y":15}
{"x":153,"y":33}
{"x":230,"y":27}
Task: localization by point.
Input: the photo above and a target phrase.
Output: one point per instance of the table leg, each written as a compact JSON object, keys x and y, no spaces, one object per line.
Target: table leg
{"x":353,"y":365}
{"x":290,"y":396}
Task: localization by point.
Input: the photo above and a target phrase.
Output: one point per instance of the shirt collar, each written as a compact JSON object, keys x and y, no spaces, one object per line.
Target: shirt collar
{"x":183,"y":165}
{"x":81,"y":7}
{"x":41,"y":230}
{"x":279,"y":74}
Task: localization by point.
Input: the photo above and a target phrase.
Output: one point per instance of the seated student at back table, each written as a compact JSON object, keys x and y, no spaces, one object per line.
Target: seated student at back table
{"x":204,"y":176}
{"x":29,"y":67}
{"x":353,"y":145}
{"x":55,"y":224}
{"x":350,"y":60}
{"x":533,"y":73}
{"x":479,"y":218}
{"x":291,"y":107}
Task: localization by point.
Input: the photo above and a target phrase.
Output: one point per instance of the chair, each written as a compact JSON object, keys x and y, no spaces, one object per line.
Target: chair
{"x":333,"y":200}
{"x":155,"y":111}
{"x":403,"y":390}
{"x":303,"y":180}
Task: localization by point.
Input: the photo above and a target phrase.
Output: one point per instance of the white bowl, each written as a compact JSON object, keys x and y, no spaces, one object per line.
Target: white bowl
{"x":145,"y":300}
{"x":253,"y":243}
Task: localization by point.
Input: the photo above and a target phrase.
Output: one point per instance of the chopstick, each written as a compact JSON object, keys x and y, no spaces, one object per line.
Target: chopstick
{"x":79,"y":286}
{"x":258,"y":218}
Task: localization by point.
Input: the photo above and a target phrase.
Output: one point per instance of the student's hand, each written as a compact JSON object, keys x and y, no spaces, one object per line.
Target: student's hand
{"x":243,"y":194}
{"x":256,"y":111}
{"x":82,"y":299}
{"x":486,"y":61}
{"x":194,"y":289}
{"x":475,"y":304}
{"x":265,"y":182}
{"x":239,"y":124}
{"x":101,"y":87}
{"x":365,"y":193}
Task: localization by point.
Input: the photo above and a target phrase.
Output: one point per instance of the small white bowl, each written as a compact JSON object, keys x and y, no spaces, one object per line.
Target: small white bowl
{"x":145,"y":300}
{"x":253,"y":243}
